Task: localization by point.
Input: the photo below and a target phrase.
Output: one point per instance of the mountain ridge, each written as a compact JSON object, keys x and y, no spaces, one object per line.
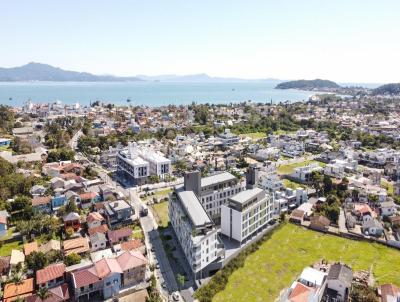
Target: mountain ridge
{"x":43,"y":72}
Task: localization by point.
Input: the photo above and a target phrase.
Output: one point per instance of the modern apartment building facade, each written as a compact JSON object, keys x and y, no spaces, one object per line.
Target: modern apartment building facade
{"x":213,"y":191}
{"x":246,"y":213}
{"x":194,"y":229}
{"x":138,"y":163}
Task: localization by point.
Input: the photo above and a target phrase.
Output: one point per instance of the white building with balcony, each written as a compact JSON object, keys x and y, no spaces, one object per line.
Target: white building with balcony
{"x":246,"y":214}
{"x":195,"y":230}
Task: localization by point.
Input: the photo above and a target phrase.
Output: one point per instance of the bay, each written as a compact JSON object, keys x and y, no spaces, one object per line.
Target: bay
{"x":146,"y":93}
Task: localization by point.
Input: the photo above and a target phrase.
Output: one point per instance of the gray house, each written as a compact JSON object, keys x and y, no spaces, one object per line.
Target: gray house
{"x":372,"y":228}
{"x":118,"y":213}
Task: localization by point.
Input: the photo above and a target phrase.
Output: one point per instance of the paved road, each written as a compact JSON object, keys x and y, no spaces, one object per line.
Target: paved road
{"x":73,"y":143}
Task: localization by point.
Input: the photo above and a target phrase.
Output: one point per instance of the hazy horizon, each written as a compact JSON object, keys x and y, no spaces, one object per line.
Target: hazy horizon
{"x":343,"y":41}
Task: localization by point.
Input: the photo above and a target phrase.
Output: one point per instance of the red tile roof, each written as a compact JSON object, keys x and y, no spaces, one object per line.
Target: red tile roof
{"x":30,"y":247}
{"x":115,"y":236}
{"x":57,"y":294}
{"x":3,"y":219}
{"x":131,"y":244}
{"x":22,"y":290}
{"x":389,"y":290}
{"x":99,"y":229}
{"x":131,"y":259}
{"x":76,"y":245}
{"x":106,"y":266}
{"x":88,"y":195}
{"x":50,"y":272}
{"x":300,"y":293}
{"x":41,"y":200}
{"x":94,"y":216}
{"x":85,"y":277}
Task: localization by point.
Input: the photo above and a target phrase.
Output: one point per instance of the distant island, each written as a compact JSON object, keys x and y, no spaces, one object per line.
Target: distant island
{"x":308,"y":85}
{"x":387,"y":89}
{"x":44,"y":72}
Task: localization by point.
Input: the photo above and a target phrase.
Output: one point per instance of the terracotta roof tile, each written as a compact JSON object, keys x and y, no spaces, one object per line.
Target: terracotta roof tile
{"x":76,"y":245}
{"x":41,"y":200}
{"x":85,"y":277}
{"x":94,"y":216}
{"x":12,"y":290}
{"x":100,"y":229}
{"x":115,"y":236}
{"x":50,"y":272}
{"x":30,"y":247}
{"x":131,"y":244}
{"x":131,"y":259}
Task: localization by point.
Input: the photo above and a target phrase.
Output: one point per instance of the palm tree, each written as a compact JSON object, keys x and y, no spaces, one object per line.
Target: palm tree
{"x":43,"y":293}
{"x":16,"y":277}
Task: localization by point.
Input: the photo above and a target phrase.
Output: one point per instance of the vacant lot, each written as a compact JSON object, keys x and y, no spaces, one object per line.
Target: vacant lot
{"x":160,"y":211}
{"x":282,"y":258}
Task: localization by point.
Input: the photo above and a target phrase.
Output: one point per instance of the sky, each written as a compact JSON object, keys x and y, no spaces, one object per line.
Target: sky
{"x":345,"y":41}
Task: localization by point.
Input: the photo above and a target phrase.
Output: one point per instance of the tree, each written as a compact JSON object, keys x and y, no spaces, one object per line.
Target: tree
{"x":43,"y":293}
{"x":36,"y":261}
{"x":180,"y":279}
{"x":317,"y":181}
{"x":72,"y":259}
{"x":16,"y":277}
{"x":71,"y":207}
{"x":328,"y":185}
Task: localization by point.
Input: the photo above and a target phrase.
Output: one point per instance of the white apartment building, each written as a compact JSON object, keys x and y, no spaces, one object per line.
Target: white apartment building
{"x":304,"y":174}
{"x":228,"y":138}
{"x":213,"y":191}
{"x":289,"y":199}
{"x":271,"y":182}
{"x":140,"y":162}
{"x":195,"y":230}
{"x":134,"y":166}
{"x":246,"y":213}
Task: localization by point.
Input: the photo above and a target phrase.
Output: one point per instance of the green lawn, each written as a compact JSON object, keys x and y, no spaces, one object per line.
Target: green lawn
{"x":137,"y":232}
{"x":388,"y":186}
{"x":9,"y":244}
{"x":292,"y":185}
{"x":255,"y":135}
{"x":160,"y":211}
{"x":281,"y":259}
{"x":158,"y":194}
{"x":289,"y":168}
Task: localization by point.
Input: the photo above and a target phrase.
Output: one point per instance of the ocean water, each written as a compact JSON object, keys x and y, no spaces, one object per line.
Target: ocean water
{"x":146,"y":93}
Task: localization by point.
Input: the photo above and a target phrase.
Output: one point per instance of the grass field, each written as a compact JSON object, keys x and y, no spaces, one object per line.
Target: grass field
{"x":158,"y":194}
{"x":289,"y":168}
{"x":281,"y":259}
{"x":160,"y":211}
{"x":292,"y":185}
{"x":255,"y":135}
{"x":388,"y":186}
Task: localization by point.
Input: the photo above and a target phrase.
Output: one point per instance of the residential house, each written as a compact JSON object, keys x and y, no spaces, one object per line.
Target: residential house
{"x":57,"y":202}
{"x":88,"y":199}
{"x":51,"y":245}
{"x":41,"y":204}
{"x":133,"y":265}
{"x":86,"y":284}
{"x":388,"y":208}
{"x":57,"y":183}
{"x":120,"y":235}
{"x":118,"y":213}
{"x":304,"y":174}
{"x":51,"y":276}
{"x":78,"y":245}
{"x":131,"y":245}
{"x":340,"y":277}
{"x":13,"y":291}
{"x":110,"y":272}
{"x":372,"y":227}
{"x":56,"y":294}
{"x":72,"y":220}
{"x":3,"y":226}
{"x":297,"y":216}
{"x":17,"y":258}
{"x":389,"y":293}
{"x":98,"y":241}
{"x":37,"y":190}
{"x":94,"y":219}
{"x":319,"y":223}
{"x":310,"y":286}
{"x":30,"y":247}
{"x":99,"y":229}
{"x":107,"y":192}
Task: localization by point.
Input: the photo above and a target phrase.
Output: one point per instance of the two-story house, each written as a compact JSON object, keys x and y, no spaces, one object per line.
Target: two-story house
{"x":51,"y":276}
{"x":118,"y":213}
